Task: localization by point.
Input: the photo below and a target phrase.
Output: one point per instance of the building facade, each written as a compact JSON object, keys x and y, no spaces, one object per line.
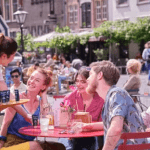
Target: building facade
{"x":86,"y":14}
{"x":43,"y":15}
{"x":129,"y":10}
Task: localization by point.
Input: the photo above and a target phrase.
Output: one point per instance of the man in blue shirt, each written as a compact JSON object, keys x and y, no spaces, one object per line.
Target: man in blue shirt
{"x":119,"y":112}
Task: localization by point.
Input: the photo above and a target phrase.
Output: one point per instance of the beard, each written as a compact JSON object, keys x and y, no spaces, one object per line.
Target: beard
{"x":91,"y":88}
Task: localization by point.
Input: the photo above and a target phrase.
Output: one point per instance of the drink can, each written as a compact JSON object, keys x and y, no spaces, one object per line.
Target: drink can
{"x":17,"y":95}
{"x":35,"y":120}
{"x":3,"y":96}
{"x":7,"y":96}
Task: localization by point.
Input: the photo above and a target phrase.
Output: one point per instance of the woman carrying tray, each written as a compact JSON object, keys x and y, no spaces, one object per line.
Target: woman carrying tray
{"x":8,"y":48}
{"x":12,"y":119}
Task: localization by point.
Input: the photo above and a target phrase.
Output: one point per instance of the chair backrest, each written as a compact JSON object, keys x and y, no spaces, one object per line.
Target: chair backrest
{"x":58,"y":96}
{"x":137,"y":135}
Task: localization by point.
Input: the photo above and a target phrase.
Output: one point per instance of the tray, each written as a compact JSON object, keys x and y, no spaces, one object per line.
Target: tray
{"x":13,"y":103}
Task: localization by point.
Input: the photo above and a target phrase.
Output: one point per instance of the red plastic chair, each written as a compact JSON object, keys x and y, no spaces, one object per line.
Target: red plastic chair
{"x":137,"y":135}
{"x":58,"y":96}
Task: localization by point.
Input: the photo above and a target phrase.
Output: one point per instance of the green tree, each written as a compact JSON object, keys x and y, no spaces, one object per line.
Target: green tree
{"x":29,"y":44}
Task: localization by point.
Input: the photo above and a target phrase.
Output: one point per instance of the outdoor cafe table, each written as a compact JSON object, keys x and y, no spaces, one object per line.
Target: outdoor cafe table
{"x":55,"y":133}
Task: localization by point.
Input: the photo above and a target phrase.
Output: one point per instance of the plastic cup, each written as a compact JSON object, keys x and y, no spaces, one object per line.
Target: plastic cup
{"x":44,"y":124}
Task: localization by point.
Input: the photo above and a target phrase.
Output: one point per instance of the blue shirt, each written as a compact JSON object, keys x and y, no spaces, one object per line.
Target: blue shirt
{"x":119,"y":103}
{"x":19,"y":122}
{"x":146,"y":54}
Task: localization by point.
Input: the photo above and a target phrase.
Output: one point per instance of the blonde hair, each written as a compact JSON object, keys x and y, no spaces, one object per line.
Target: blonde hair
{"x":134,"y":65}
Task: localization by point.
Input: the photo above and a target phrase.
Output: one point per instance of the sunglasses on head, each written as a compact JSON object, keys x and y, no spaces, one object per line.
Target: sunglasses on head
{"x":15,"y":76}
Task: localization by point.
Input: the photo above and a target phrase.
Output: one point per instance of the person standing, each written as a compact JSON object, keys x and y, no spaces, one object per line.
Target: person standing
{"x":19,"y":85}
{"x":146,"y":57}
{"x":120,"y":113}
{"x":8,"y":48}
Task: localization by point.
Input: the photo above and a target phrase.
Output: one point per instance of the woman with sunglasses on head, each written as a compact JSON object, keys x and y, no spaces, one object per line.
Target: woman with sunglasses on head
{"x":81,"y":100}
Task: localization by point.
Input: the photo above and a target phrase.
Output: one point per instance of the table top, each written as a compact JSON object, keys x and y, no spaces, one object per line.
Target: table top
{"x":55,"y":133}
{"x":13,"y":103}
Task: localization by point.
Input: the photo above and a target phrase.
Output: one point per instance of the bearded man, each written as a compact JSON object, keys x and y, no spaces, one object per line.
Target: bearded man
{"x":119,"y":112}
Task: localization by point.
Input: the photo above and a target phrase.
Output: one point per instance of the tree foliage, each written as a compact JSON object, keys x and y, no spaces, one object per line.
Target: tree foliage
{"x":63,"y":29}
{"x":29,"y":44}
{"x":119,"y":32}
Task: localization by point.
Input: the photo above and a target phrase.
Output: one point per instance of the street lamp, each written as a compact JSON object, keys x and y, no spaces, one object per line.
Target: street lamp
{"x":20,"y":16}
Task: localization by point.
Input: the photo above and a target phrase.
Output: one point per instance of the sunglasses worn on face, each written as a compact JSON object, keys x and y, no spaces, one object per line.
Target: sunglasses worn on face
{"x":15,"y":76}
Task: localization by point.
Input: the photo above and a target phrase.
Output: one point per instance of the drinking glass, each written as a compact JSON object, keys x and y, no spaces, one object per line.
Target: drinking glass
{"x":44,"y":123}
{"x":47,"y":112}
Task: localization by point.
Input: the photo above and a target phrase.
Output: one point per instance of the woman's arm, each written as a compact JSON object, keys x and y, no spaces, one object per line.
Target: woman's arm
{"x":44,"y":97}
{"x":8,"y":117}
{"x":93,"y":126}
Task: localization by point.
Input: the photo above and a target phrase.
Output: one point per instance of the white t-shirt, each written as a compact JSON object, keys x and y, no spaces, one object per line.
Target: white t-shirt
{"x":1,"y":75}
{"x":22,"y":87}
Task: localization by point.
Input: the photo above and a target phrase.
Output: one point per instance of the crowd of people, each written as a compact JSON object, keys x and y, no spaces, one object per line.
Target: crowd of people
{"x":113,"y":109}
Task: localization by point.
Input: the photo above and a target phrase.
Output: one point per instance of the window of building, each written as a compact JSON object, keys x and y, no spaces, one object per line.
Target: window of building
{"x":40,"y":30}
{"x":75,"y":14}
{"x":13,"y":35}
{"x":37,"y":1}
{"x":33,"y":31}
{"x":122,"y":3}
{"x":71,"y":14}
{"x":26,"y":30}
{"x":7,"y":9}
{"x":32,"y":2}
{"x":143,"y":1}
{"x":15,"y":7}
{"x":98,"y":10}
{"x":104,"y":9}
{"x":1,"y":10}
{"x":51,"y":6}
{"x":86,"y":15}
{"x":46,"y":29}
